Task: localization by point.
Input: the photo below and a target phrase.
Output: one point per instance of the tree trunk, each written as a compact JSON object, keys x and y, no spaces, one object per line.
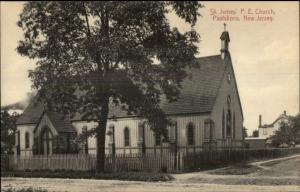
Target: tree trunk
{"x":102,"y":92}
{"x":101,"y":132}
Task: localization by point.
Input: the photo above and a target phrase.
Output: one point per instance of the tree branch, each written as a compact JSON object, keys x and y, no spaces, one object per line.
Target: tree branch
{"x":87,"y":22}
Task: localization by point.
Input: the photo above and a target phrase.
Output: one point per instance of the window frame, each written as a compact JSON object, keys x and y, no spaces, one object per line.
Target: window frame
{"x":157,"y":139}
{"x":229,"y":123}
{"x":229,"y":77}
{"x":190,"y":137}
{"x":27,"y":140}
{"x":228,"y":99}
{"x":84,"y":131}
{"x":233,"y":125}
{"x":265,"y":132}
{"x":126,"y":137}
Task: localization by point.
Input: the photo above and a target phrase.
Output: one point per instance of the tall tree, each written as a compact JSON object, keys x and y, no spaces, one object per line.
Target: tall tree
{"x":92,"y":55}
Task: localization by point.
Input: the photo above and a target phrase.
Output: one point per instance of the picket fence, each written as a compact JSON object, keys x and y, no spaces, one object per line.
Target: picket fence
{"x":169,"y":162}
{"x":120,"y":162}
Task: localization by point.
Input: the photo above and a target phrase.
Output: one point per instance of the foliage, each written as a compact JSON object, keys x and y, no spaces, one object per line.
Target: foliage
{"x":255,"y":133}
{"x":8,"y":129}
{"x":288,"y":132}
{"x":30,"y":189}
{"x":93,"y":55}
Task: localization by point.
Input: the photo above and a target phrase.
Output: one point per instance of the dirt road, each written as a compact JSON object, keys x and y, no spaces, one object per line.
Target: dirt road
{"x":274,"y":178}
{"x":78,"y":185}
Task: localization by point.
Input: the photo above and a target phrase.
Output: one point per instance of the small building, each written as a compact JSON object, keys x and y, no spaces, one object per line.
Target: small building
{"x":265,"y":131}
{"x":208,"y":113}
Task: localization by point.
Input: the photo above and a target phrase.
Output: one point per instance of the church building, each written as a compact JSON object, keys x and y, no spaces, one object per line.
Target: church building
{"x":208,"y":115}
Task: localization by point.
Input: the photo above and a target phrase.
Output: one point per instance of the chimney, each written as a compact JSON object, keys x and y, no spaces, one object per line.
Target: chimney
{"x":284,"y":112}
{"x":224,"y":43}
{"x":260,"y":119}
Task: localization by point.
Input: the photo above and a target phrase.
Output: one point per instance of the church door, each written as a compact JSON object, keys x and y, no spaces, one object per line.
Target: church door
{"x":47,"y":142}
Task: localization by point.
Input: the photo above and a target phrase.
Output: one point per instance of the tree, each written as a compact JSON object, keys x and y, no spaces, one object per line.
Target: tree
{"x":92,"y":55}
{"x":288,"y":132}
{"x":245,"y":132}
{"x":255,"y":133}
{"x":8,"y":129}
{"x":296,"y":128}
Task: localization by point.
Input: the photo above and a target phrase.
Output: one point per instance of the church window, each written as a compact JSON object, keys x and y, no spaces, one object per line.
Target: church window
{"x":157,"y":139}
{"x":229,"y":77}
{"x":228,"y":99}
{"x":223,"y":124}
{"x":233,"y":125}
{"x":27,"y":143}
{"x":85,"y":139}
{"x":209,"y":129}
{"x":126,"y":137}
{"x":190,"y":134}
{"x":228,"y":123}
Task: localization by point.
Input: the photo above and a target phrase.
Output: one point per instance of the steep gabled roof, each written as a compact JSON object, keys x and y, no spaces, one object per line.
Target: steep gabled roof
{"x":280,"y":118}
{"x":32,"y":113}
{"x":62,"y":124}
{"x":198,"y":94}
{"x":199,"y":89}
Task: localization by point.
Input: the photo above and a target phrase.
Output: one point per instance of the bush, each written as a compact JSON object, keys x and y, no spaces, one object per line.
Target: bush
{"x":23,"y":190}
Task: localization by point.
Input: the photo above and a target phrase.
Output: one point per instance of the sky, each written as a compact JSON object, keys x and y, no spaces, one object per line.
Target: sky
{"x":265,"y":54}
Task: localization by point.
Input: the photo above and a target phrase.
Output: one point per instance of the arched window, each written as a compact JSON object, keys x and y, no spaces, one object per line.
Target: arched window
{"x":233,"y":125}
{"x":157,"y":139}
{"x":223,"y":124}
{"x":111,"y":133}
{"x":85,"y":139}
{"x":228,"y":77}
{"x":209,"y":129}
{"x":228,"y":99}
{"x":27,"y":142}
{"x":46,"y":146}
{"x":190,"y":134}
{"x":228,"y":123}
{"x":126,"y":137}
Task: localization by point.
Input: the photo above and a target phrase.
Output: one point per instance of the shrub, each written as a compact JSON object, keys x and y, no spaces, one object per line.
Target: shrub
{"x":23,"y":190}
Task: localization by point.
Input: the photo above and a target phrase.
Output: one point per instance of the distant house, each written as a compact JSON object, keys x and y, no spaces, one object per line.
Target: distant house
{"x":207,"y":114}
{"x":265,"y":131}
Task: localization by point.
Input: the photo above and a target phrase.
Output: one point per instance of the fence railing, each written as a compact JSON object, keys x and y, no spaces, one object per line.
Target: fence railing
{"x":170,"y":162}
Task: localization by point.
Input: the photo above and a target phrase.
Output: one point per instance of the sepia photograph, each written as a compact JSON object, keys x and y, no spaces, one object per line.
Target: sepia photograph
{"x":149,"y":96}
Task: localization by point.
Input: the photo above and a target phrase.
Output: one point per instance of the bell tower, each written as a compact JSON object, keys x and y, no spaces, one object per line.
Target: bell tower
{"x":224,"y":42}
